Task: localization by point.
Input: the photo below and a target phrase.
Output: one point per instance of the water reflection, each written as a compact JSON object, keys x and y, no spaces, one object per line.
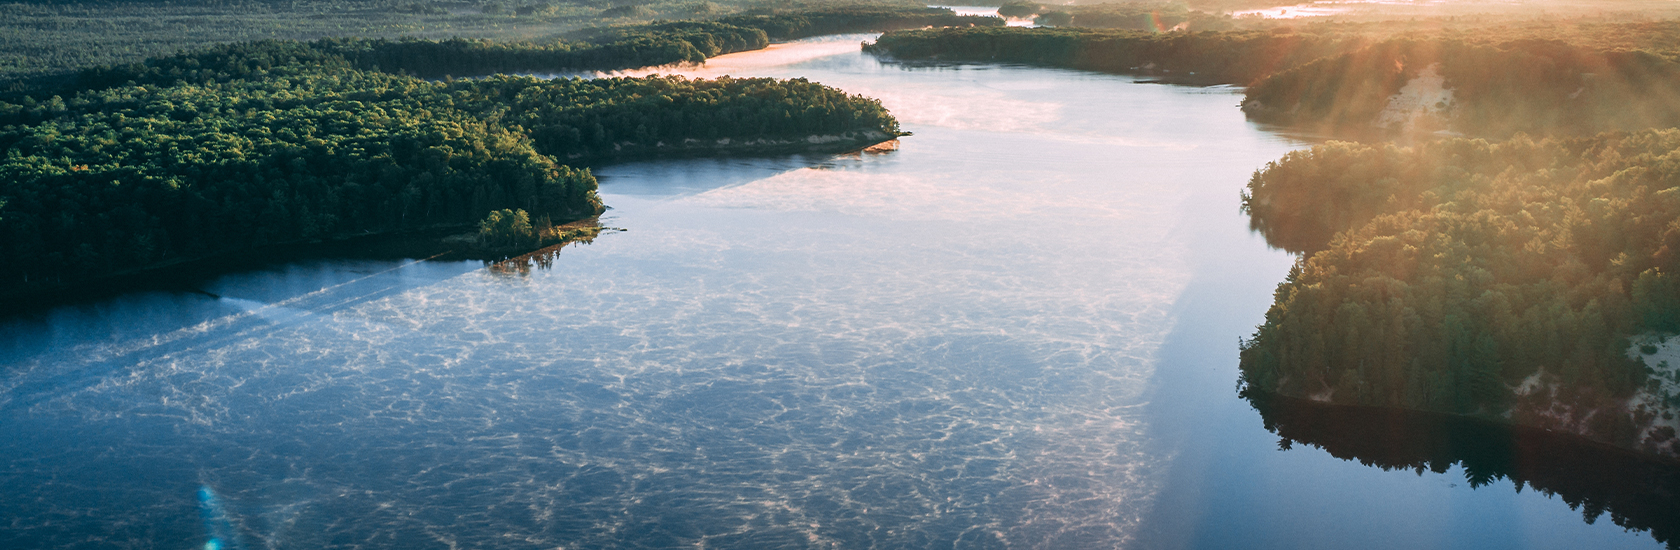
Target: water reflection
{"x":540,"y":260}
{"x":1637,"y":493}
{"x":949,"y":346}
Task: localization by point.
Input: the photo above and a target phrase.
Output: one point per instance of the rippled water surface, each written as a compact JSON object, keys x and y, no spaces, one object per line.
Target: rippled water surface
{"x":1017,"y":331}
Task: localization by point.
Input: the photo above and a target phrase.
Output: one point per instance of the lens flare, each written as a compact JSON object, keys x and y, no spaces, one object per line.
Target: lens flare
{"x":216,"y":521}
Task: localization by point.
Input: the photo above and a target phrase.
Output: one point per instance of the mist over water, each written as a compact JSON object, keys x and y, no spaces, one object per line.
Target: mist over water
{"x":964,"y":343}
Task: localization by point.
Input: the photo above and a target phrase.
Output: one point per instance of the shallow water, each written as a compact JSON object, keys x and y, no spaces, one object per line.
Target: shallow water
{"x":1019,"y":330}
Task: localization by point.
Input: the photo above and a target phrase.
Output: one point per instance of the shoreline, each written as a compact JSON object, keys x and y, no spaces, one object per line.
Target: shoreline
{"x":1332,"y":412}
{"x":829,"y":144}
{"x":433,"y":243}
{"x":1509,"y":421}
{"x":1634,"y":489}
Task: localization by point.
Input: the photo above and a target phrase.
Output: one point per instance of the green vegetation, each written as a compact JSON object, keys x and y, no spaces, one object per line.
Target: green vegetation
{"x":513,"y":230}
{"x":801,"y":24}
{"x":1236,"y":57}
{"x":278,"y":142}
{"x":132,"y":165}
{"x":650,"y":45}
{"x":1443,"y":276}
{"x":1018,"y":9}
{"x":1579,"y":78}
{"x":45,"y":41}
{"x":43,"y":44}
{"x":506,"y":228}
{"x":1155,"y":16}
{"x":1535,"y":86}
{"x":605,"y":50}
{"x":1141,"y":16}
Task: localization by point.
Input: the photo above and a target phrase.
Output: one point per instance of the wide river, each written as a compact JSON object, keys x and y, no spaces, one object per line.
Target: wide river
{"x":1017,"y":331}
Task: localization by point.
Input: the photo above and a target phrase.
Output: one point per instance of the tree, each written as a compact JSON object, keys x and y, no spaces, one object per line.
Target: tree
{"x":506,"y":227}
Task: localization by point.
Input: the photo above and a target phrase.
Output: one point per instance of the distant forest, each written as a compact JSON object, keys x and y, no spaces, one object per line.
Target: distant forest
{"x":43,"y":42}
{"x":230,"y":147}
{"x":1142,"y":16}
{"x":1210,"y":57}
{"x":1338,"y":77}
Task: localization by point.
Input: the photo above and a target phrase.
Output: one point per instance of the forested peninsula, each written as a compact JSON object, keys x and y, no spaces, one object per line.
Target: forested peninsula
{"x":1530,"y":281}
{"x":1492,"y":80}
{"x":232,"y":147}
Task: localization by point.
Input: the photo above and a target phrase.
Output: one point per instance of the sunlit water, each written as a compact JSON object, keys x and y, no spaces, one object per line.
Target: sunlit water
{"x":1019,"y":331}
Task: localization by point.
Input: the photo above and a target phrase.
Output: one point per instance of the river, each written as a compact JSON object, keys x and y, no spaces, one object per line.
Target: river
{"x":1018,"y":330}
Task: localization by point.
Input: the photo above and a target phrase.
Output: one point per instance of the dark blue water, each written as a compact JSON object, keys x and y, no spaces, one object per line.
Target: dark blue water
{"x":1018,"y":331}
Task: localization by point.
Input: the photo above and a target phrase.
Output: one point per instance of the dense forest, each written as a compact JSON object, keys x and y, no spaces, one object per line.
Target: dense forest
{"x":650,"y":45}
{"x":789,"y":25}
{"x":42,"y":45}
{"x":1142,"y":16}
{"x":271,"y":142}
{"x":1479,"y":278}
{"x":223,"y":148}
{"x":1534,"y":86}
{"x":1211,"y":57}
{"x":604,"y":49}
{"x":1578,"y":79}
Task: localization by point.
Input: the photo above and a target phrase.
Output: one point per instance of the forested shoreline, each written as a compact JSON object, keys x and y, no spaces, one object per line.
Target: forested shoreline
{"x":43,"y":43}
{"x":1141,"y":16}
{"x":1203,"y":57}
{"x":1628,"y":489}
{"x":1350,"y":78}
{"x":248,"y":145}
{"x":1534,"y":86}
{"x":1503,"y":280}
{"x":602,"y":49}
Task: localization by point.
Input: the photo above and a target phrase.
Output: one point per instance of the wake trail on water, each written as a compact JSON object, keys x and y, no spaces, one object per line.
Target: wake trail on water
{"x":92,"y":363}
{"x":282,"y":312}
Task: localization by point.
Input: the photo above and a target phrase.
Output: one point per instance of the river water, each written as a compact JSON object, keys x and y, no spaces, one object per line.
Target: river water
{"x":1017,"y":331}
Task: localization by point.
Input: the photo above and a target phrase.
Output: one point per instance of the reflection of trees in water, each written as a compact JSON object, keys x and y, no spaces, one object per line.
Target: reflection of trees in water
{"x":1639,"y":493}
{"x":542,"y":260}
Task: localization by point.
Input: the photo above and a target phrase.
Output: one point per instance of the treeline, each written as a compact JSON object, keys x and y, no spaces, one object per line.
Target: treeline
{"x":136,"y":176}
{"x":575,"y":118}
{"x":1581,"y":80}
{"x":854,"y":19}
{"x":606,"y":49}
{"x":1140,"y":16}
{"x":43,"y":46}
{"x":656,"y":45}
{"x":276,"y":146}
{"x":1471,"y":277}
{"x":1223,"y":57}
{"x":1534,"y":86}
